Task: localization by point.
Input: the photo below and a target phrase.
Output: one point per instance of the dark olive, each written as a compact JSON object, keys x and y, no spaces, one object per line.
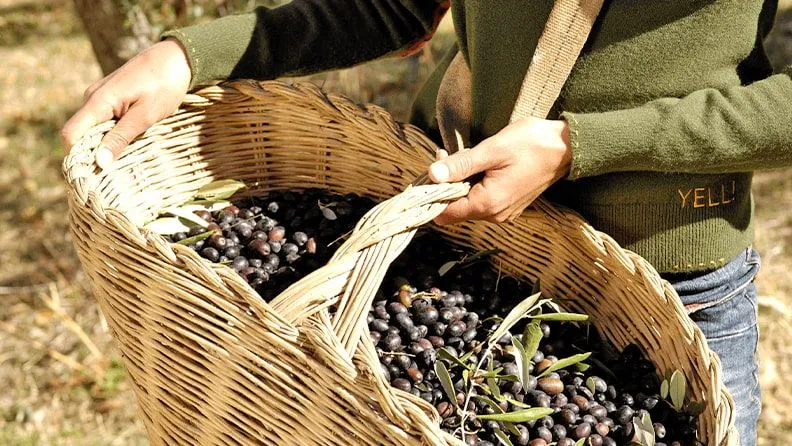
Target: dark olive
{"x":396,"y":308}
{"x":551,"y":386}
{"x":260,"y":246}
{"x":625,"y":415}
{"x":469,"y":335}
{"x":380,"y":326}
{"x":568,"y":417}
{"x":581,"y":402}
{"x":289,"y":248}
{"x":445,"y":315}
{"x":391,"y":342}
{"x":582,"y":430}
{"x":310,"y":246}
{"x":427,"y":316}
{"x":210,"y":254}
{"x":660,"y":430}
{"x":456,"y":328}
{"x":403,"y":320}
{"x":599,"y":412}
{"x":559,"y":431}
{"x":438,"y":342}
{"x":444,"y":409}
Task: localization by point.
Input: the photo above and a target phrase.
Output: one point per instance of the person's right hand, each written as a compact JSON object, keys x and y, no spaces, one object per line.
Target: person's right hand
{"x":147,"y":88}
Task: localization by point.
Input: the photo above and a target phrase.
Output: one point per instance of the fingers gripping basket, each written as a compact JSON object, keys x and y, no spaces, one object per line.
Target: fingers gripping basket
{"x":213,"y":364}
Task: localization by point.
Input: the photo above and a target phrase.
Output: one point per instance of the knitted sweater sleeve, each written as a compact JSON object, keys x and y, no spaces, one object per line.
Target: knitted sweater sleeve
{"x":743,"y":128}
{"x":306,"y":36}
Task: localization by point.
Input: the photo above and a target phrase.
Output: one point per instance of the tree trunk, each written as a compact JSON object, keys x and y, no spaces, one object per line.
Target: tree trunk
{"x":115,"y":36}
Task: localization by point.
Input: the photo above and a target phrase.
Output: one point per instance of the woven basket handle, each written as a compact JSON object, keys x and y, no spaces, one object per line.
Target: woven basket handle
{"x":357,"y":269}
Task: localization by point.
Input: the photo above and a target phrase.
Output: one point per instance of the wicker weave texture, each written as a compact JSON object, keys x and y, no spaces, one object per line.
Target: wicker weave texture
{"x":213,"y":364}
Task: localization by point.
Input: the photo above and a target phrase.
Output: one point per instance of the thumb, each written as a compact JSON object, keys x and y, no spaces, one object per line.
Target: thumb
{"x":466,"y":163}
{"x":131,"y":125}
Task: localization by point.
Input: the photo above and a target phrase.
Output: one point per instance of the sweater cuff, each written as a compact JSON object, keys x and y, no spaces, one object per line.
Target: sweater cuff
{"x":606,"y":142}
{"x":215,"y":48}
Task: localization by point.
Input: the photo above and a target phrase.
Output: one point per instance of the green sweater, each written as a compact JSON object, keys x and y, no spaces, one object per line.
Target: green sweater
{"x":671,"y":105}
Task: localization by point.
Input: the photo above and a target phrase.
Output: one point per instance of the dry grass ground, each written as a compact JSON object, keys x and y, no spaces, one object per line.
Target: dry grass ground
{"x":62,"y":381}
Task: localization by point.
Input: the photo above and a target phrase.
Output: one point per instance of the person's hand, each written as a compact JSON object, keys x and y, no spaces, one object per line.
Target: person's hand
{"x":519,"y":163}
{"x":146,"y":89}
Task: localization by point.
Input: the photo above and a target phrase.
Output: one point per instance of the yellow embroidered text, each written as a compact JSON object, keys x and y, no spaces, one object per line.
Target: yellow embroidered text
{"x":701,"y":197}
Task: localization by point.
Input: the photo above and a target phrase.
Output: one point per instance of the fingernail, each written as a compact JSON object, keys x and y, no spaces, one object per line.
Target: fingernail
{"x":104,"y":158}
{"x":439,"y":172}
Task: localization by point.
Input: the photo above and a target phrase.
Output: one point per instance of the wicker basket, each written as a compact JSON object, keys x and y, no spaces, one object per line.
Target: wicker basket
{"x":213,"y":364}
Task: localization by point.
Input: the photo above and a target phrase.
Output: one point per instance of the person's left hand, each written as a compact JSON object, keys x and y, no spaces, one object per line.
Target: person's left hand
{"x":519,"y":163}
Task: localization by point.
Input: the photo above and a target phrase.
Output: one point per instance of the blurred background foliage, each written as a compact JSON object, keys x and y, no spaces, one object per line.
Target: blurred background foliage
{"x":63,"y":381}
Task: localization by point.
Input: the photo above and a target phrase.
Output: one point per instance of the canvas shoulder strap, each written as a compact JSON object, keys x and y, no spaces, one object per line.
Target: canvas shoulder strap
{"x":559,"y":46}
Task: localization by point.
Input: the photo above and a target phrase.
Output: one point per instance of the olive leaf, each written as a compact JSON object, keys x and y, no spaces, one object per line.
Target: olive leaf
{"x":492,"y":383}
{"x":490,"y":402}
{"x":209,"y":205}
{"x":422,"y":386}
{"x":677,"y":389}
{"x":329,"y":214}
{"x":523,"y":362}
{"x":514,"y":402}
{"x":512,"y":428}
{"x":644,"y":430}
{"x":167,"y":226}
{"x":664,"y":389}
{"x":646,"y":420}
{"x":446,"y":267}
{"x":502,"y":438}
{"x":196,"y":238}
{"x":590,"y":384}
{"x":464,"y":358}
{"x":518,"y":416}
{"x":566,"y":362}
{"x":520,"y":311}
{"x":581,"y":442}
{"x":445,"y":381}
{"x":491,"y":374}
{"x":511,"y":378}
{"x":532,"y":335}
{"x":582,"y":366}
{"x":444,"y":354}
{"x":694,"y":408}
{"x":186,"y":215}
{"x":219,"y":190}
{"x":570,"y":317}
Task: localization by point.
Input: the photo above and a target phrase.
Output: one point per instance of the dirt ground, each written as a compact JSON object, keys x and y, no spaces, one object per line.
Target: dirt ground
{"x":63,"y":383}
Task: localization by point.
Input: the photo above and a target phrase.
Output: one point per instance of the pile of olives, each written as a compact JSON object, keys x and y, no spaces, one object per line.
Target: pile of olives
{"x":442,"y":304}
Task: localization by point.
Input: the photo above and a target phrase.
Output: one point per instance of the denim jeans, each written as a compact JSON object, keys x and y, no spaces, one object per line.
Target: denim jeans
{"x":723,"y":304}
